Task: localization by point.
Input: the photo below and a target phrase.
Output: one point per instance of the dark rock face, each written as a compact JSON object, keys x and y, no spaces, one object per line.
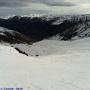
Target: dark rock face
{"x":38,"y":28}
{"x":12,"y":37}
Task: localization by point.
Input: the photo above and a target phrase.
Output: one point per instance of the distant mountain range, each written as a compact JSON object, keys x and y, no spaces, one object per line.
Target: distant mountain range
{"x":32,"y":29}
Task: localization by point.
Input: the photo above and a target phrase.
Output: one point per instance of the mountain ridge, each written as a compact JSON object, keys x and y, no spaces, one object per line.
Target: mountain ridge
{"x":39,"y":28}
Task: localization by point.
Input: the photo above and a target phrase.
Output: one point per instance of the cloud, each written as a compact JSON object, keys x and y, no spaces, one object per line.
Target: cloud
{"x":3,"y":4}
{"x":54,"y":2}
{"x":19,"y":7}
{"x":22,"y":3}
{"x":9,"y":3}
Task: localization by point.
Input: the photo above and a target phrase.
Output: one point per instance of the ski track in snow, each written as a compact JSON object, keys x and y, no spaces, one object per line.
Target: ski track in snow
{"x":60,"y":71}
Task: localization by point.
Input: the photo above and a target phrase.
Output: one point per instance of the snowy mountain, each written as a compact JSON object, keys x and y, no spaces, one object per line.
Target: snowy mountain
{"x":22,"y":32}
{"x":67,"y":69}
{"x":45,"y":53}
{"x":60,"y":27}
{"x":77,"y":31}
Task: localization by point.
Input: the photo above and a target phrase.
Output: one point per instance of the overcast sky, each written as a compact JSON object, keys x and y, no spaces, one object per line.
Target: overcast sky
{"x":25,"y":7}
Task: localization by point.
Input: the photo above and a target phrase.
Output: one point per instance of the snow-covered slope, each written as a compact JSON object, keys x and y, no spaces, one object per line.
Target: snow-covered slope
{"x":68,"y":69}
{"x":52,"y":47}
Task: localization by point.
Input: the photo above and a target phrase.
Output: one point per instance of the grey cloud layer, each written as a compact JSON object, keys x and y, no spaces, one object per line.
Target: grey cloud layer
{"x":19,"y":3}
{"x":16,"y":7}
{"x":54,"y":2}
{"x":11,"y":3}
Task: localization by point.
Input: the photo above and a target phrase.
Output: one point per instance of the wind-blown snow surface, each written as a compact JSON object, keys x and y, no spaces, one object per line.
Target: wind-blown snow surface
{"x":69,"y":69}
